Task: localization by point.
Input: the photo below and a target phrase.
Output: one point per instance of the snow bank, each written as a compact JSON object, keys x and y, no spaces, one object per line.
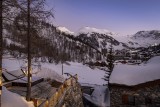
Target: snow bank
{"x":85,"y":73}
{"x":136,"y":74}
{"x":54,"y":71}
{"x":100,"y":96}
{"x":12,"y":64}
{"x":154,"y":60}
{"x":10,"y":99}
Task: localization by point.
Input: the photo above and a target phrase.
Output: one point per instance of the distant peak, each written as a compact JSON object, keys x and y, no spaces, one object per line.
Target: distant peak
{"x":95,"y":30}
{"x":65,"y":30}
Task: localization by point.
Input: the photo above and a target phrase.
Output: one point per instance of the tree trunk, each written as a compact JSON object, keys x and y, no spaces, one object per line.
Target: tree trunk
{"x":1,"y":48}
{"x":28,"y":96}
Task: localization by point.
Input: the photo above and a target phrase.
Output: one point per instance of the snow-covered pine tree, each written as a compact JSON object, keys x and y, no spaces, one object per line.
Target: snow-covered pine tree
{"x":110,"y":61}
{"x":110,"y":57}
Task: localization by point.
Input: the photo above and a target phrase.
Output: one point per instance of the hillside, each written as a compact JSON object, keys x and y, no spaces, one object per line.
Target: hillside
{"x":145,"y":38}
{"x":51,"y":44}
{"x":58,"y":44}
{"x":100,"y":38}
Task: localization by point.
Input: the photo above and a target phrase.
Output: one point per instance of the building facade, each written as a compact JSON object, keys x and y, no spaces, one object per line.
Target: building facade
{"x":141,"y":95}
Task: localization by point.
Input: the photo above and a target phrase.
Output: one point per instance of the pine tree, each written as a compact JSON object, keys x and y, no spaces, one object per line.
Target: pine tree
{"x":110,"y":58}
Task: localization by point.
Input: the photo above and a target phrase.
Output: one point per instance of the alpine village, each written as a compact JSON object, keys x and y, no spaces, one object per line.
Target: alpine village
{"x":45,"y":65}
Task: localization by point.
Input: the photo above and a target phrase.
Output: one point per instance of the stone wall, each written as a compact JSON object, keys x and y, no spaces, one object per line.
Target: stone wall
{"x":143,"y":97}
{"x":73,"y":97}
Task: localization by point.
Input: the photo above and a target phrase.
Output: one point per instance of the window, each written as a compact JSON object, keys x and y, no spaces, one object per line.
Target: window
{"x":148,"y":100}
{"x":128,"y":100}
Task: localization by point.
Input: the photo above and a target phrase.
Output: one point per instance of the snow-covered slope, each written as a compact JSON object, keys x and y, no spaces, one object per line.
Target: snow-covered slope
{"x":146,"y":38}
{"x":65,"y":30}
{"x":87,"y":30}
{"x":9,"y":42}
{"x":136,"y":74}
{"x":54,"y":71}
{"x":85,"y":73}
{"x":11,"y":64}
{"x":100,"y":38}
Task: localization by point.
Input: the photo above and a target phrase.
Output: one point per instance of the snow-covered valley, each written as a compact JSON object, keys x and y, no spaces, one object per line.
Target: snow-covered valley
{"x":79,"y":57}
{"x":122,"y":73}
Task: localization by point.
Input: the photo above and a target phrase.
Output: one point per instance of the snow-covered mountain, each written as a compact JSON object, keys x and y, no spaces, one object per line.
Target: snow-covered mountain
{"x":153,"y":34}
{"x":65,"y":30}
{"x":145,"y":38}
{"x":100,"y":38}
{"x":87,"y":30}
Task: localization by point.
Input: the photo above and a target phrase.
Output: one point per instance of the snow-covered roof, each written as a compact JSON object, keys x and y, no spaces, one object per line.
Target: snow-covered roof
{"x":136,"y":74}
{"x":85,"y":73}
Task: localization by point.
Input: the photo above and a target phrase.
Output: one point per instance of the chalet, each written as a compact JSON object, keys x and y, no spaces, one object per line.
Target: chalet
{"x":158,"y":52}
{"x":129,"y":61}
{"x":143,"y":55}
{"x":121,"y":54}
{"x":134,"y":55}
{"x":134,"y":61}
{"x":136,"y":85}
{"x":44,"y":92}
{"x":145,"y":94}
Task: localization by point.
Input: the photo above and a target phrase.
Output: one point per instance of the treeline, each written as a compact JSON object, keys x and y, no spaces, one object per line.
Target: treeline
{"x":47,"y":43}
{"x":50,"y":44}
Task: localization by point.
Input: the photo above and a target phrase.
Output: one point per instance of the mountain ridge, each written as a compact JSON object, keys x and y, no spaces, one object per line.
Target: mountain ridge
{"x":100,"y":37}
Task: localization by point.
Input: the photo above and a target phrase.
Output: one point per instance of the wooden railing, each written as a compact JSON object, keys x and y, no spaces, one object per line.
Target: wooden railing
{"x":60,"y":93}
